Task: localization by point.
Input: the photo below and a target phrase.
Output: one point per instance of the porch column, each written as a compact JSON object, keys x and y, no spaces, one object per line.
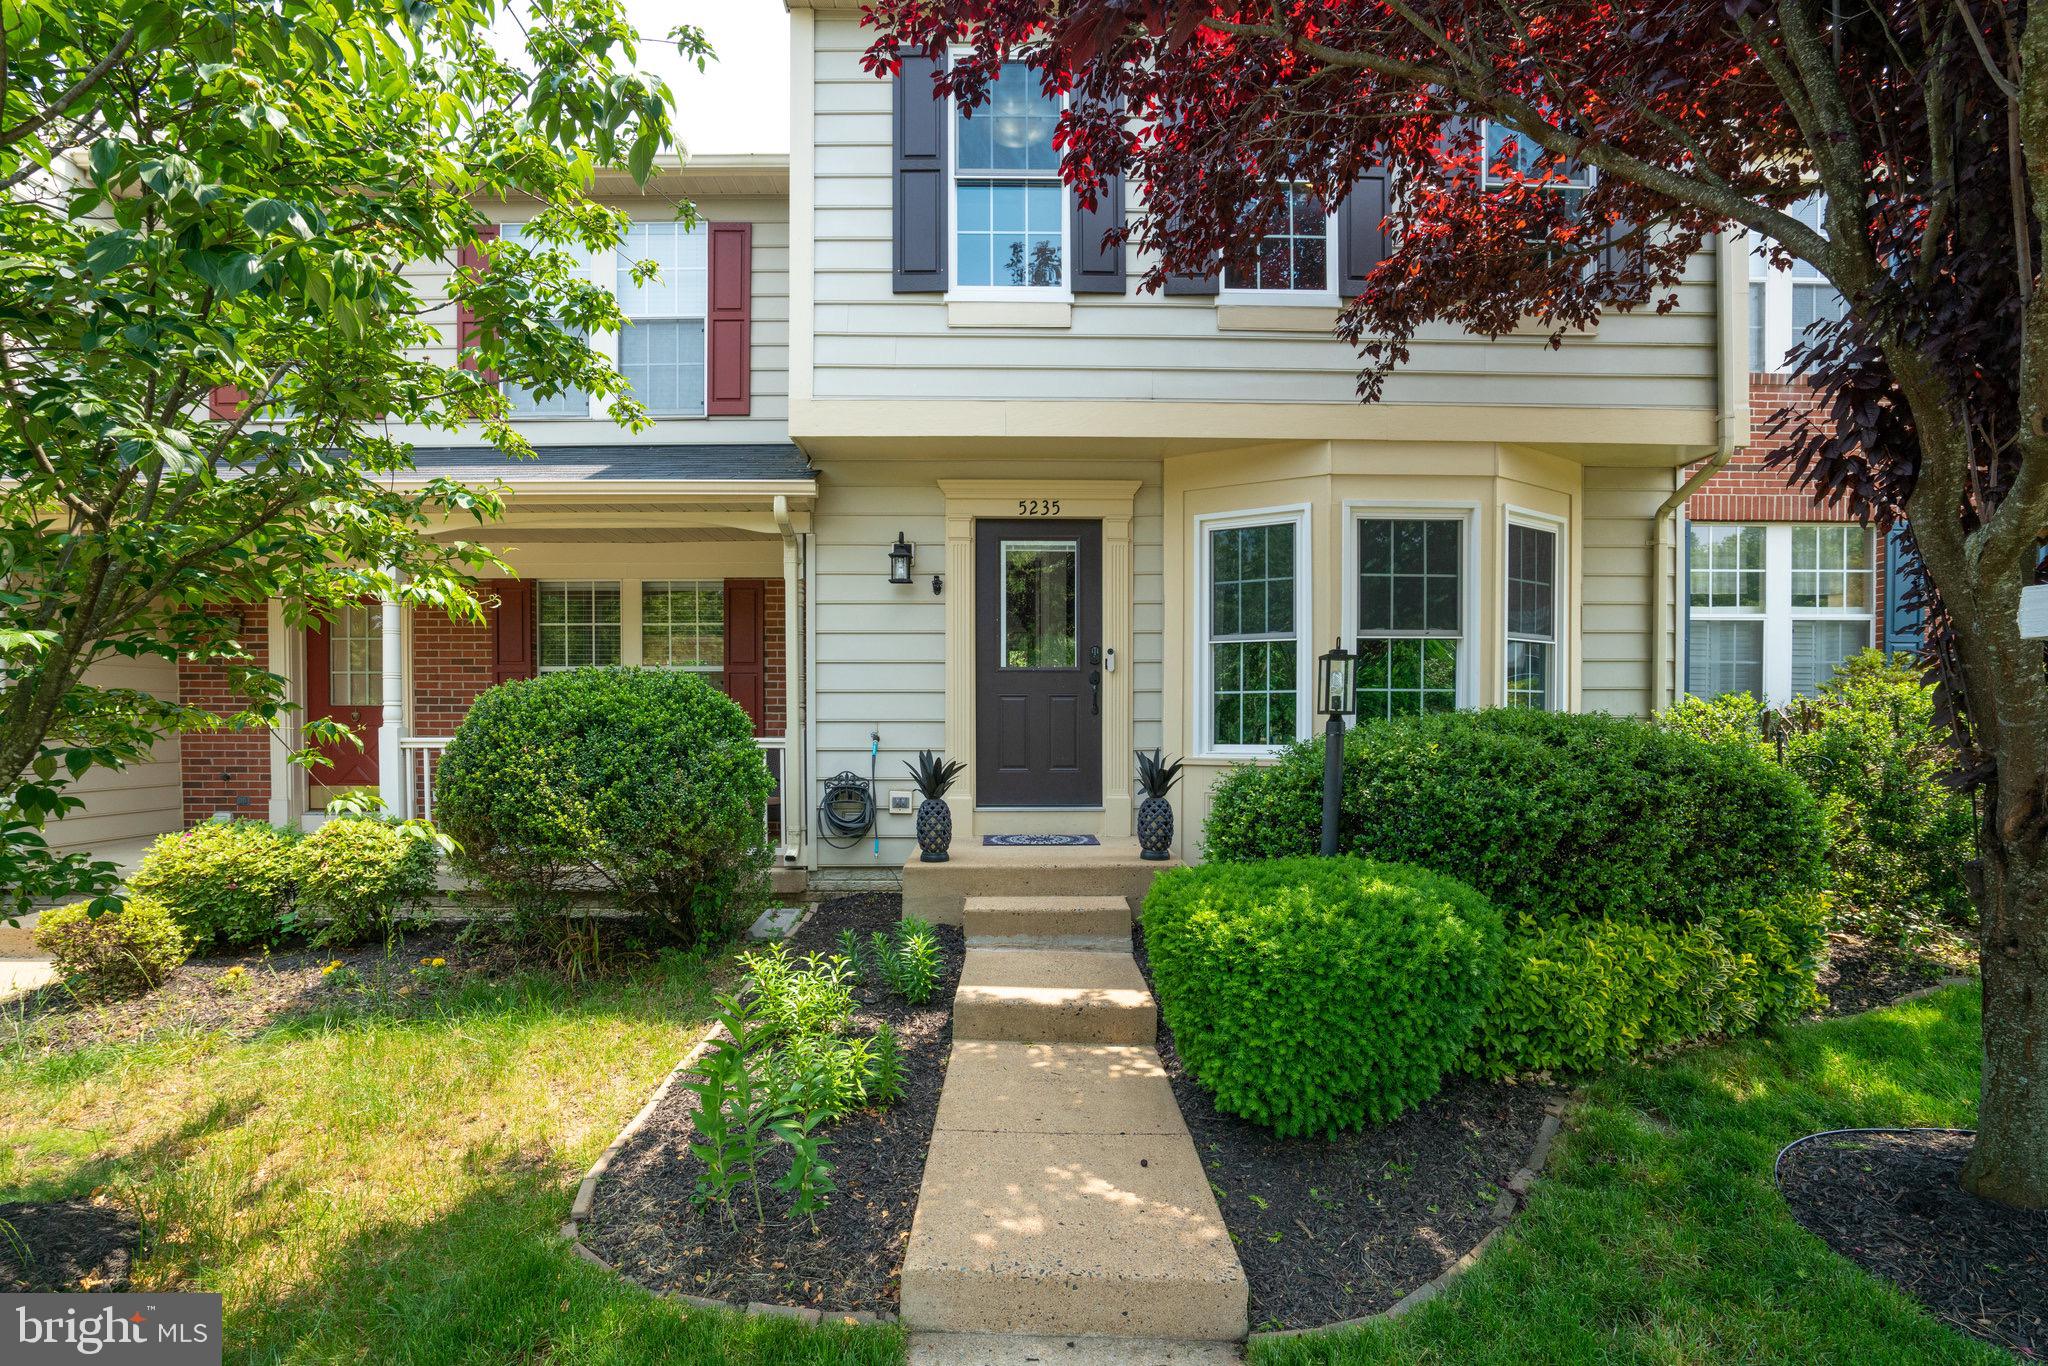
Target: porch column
{"x":287,"y":779}
{"x":392,"y":780}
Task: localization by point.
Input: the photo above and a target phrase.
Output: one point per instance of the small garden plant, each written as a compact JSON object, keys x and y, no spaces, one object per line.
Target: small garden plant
{"x":908,"y":959}
{"x":113,"y":953}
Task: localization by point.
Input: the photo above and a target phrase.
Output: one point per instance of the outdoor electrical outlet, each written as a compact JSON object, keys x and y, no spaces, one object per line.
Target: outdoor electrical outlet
{"x":899,"y":803}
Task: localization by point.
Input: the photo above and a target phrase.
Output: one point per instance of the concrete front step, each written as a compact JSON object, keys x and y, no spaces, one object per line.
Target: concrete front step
{"x":1006,"y":916}
{"x":938,"y":892}
{"x":1062,"y":1197}
{"x":998,"y":1349}
{"x":1053,"y":996}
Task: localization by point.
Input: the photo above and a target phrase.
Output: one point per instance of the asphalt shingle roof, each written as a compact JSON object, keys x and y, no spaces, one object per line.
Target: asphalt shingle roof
{"x":764,"y":460}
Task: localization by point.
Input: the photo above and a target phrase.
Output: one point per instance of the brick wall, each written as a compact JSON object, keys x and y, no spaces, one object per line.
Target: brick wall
{"x":775,"y":661}
{"x":451,"y":665}
{"x":226,"y":770}
{"x":1744,"y":491}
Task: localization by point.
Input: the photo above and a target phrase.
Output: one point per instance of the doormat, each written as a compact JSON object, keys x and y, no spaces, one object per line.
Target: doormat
{"x":1005,"y":841}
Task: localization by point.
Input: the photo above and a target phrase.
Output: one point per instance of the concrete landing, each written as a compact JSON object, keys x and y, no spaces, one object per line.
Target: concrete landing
{"x":1054,"y":996}
{"x":994,"y":1349}
{"x":938,"y":892}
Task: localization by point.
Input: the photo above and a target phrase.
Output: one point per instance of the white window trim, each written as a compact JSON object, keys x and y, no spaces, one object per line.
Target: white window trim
{"x":640,"y":627}
{"x":604,"y":272}
{"x":1560,"y":607}
{"x":1778,"y":614}
{"x":1063,"y":292}
{"x":1778,"y":288}
{"x":1204,"y":709}
{"x":1355,"y":511}
{"x":629,"y":622}
{"x":1324,"y":298}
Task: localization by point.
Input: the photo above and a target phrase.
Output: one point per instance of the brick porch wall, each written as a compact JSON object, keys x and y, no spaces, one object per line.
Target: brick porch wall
{"x":775,"y":661}
{"x":226,"y":770}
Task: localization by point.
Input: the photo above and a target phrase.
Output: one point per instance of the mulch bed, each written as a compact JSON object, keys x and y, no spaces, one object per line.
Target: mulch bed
{"x":66,"y":1246}
{"x":645,"y":1224}
{"x":1859,"y":974}
{"x":1337,"y":1230}
{"x":271,"y":987}
{"x":1892,"y":1203}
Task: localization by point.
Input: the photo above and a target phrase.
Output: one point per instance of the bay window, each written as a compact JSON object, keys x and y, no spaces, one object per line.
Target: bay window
{"x":1009,"y":207}
{"x":1411,"y":614}
{"x":1532,"y":612}
{"x":1774,"y":610}
{"x":1253,"y":606}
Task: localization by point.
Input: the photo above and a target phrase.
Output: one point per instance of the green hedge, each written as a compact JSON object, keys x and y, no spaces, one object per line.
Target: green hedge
{"x":1551,"y":815}
{"x":1313,"y":995}
{"x":115,"y":952}
{"x":228,"y":884}
{"x":645,"y":783}
{"x":1579,"y":994}
{"x":359,"y":876}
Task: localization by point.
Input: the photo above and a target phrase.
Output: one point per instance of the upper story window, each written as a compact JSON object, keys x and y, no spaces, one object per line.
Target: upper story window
{"x":1010,"y":221}
{"x":661,"y":353}
{"x":1294,"y":256}
{"x":1783,"y":304}
{"x":1565,"y":178}
{"x":525,"y":402}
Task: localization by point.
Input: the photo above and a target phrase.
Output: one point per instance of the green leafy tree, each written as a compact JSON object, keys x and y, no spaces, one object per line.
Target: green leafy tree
{"x":222,"y":195}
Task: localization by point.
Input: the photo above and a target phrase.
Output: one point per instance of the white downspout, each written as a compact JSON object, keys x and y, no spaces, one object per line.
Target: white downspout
{"x":795,"y":828}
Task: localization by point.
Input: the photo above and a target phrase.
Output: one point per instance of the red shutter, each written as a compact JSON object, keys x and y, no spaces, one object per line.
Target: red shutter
{"x":512,"y":653}
{"x":225,"y":402}
{"x":746,"y":648}
{"x":729,"y":382}
{"x":471,"y":260}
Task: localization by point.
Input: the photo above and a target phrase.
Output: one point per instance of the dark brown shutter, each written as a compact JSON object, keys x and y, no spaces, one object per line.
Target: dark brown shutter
{"x":729,"y":381}
{"x":746,"y":648}
{"x":1195,"y":284}
{"x":470,"y":260}
{"x":512,"y":628}
{"x":1362,"y":231}
{"x":920,"y":175}
{"x":225,"y":402}
{"x":1099,"y":268}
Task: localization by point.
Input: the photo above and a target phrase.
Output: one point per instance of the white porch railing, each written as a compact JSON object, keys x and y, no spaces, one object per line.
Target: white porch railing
{"x":423,"y":760}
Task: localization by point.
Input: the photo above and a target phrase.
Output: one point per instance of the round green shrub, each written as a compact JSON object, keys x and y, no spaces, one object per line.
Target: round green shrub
{"x":1549,"y":814}
{"x":1580,"y":993}
{"x":113,"y":953}
{"x":1312,"y":995}
{"x":358,"y":875}
{"x":644,"y":783}
{"x":227,"y":883}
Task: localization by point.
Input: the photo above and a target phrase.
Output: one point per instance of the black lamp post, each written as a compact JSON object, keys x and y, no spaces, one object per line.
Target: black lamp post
{"x":1336,"y":698}
{"x":899,"y":560}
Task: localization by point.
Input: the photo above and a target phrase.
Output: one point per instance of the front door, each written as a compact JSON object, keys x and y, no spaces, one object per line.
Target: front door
{"x":345,"y":682}
{"x":1038,"y":663}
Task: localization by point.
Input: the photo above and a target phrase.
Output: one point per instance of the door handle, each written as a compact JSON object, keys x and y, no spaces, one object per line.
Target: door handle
{"x":1095,"y":685}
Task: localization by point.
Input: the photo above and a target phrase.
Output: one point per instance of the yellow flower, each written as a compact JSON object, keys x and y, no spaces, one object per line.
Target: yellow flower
{"x":440,"y":963}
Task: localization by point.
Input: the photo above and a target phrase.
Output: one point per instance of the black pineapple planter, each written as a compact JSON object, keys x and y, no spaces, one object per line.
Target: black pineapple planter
{"x":934,"y":829}
{"x":1155,"y":828}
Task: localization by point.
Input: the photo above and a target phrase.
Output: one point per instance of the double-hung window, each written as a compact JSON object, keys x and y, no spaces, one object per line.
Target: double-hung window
{"x":525,"y":402}
{"x":1253,"y":609}
{"x":1411,"y":614}
{"x":1532,"y":613}
{"x":1530,"y":165}
{"x":579,"y":623}
{"x":1293,"y":255}
{"x":1775,"y":610}
{"x":1009,"y":209}
{"x":661,"y":351}
{"x":1783,"y":304}
{"x":682,"y":626}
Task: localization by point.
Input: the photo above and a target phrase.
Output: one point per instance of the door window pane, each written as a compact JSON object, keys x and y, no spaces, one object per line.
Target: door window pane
{"x":579,"y":623}
{"x":1040,"y":602}
{"x":355,"y":657}
{"x":1725,"y":657}
{"x":1254,"y":655}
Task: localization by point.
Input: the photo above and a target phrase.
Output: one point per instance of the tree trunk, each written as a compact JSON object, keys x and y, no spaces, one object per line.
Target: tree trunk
{"x":2010,"y":1160}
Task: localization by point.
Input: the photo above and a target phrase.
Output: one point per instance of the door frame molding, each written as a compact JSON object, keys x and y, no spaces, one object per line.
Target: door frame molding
{"x":1109,"y":501}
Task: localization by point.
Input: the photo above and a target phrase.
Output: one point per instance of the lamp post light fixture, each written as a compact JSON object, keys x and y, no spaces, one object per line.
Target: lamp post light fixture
{"x":900,"y":556}
{"x":1336,"y":698}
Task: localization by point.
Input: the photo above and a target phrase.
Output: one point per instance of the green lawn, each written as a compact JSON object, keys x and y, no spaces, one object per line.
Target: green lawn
{"x":382,"y":1186}
{"x":371,"y":1186}
{"x":1657,"y":1236}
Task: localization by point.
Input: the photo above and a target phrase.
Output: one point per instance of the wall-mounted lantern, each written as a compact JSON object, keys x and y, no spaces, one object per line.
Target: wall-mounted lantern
{"x":900,"y":556}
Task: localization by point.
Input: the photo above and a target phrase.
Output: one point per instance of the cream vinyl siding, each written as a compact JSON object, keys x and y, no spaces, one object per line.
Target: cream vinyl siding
{"x":769,"y":418}
{"x":873,"y":344}
{"x":143,"y":799}
{"x":879,"y":649}
{"x":1620,"y":590}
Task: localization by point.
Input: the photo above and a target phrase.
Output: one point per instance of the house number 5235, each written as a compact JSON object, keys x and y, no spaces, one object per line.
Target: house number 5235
{"x":1038,"y":507}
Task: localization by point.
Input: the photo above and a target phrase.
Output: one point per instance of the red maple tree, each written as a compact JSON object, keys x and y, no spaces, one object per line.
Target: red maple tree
{"x":1923,"y":122}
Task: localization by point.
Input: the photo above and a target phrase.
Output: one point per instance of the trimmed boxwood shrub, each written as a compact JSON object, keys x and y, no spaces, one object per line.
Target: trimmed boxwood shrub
{"x":359,"y":875}
{"x":228,"y":884}
{"x":1581,"y":993}
{"x":1549,"y":814}
{"x":645,"y":783}
{"x":1312,"y":995}
{"x":113,"y":953}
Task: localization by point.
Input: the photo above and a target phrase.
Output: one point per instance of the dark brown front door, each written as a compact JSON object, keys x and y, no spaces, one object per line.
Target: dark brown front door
{"x":345,"y":682}
{"x":1038,"y":663}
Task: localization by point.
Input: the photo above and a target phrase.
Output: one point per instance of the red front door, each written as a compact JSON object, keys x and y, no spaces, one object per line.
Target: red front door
{"x":345,"y":682}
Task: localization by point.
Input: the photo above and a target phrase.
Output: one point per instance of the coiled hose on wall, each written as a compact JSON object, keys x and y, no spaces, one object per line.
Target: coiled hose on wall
{"x":847,"y":810}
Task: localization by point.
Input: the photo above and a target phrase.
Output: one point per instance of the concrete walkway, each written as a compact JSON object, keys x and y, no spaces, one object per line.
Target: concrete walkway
{"x":1064,"y":1213}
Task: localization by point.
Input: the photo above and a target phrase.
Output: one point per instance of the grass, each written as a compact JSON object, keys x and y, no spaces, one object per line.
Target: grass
{"x":1657,"y":1236}
{"x":368,"y":1185}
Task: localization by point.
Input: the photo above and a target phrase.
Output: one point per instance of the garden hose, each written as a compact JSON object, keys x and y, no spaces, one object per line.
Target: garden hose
{"x":847,"y":810}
